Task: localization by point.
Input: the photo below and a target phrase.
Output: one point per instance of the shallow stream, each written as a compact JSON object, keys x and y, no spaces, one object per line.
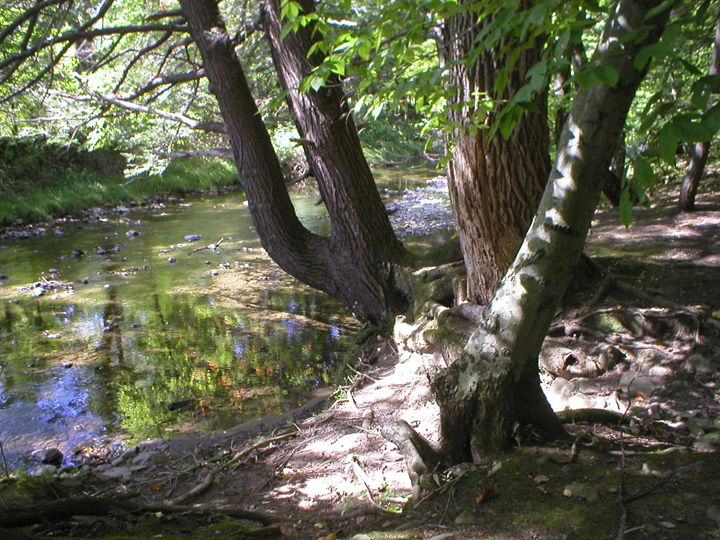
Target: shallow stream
{"x":159,"y":320}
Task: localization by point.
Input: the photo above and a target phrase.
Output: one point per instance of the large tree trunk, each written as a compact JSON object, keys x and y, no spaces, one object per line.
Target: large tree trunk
{"x":494,"y":386}
{"x":495,"y":185}
{"x":354,"y":264}
{"x":360,"y":225}
{"x":699,"y":154}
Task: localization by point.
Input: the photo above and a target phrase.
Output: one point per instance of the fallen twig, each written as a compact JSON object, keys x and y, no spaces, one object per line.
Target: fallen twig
{"x":365,"y":479}
{"x":207,"y":482}
{"x":211,"y":247}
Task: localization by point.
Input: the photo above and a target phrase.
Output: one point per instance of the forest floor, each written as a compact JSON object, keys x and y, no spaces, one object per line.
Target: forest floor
{"x":645,"y":344}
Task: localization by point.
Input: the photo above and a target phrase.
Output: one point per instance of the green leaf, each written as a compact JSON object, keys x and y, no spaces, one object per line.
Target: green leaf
{"x":597,"y":75}
{"x":657,"y":10}
{"x":644,"y":172}
{"x":607,"y":75}
{"x":663,"y":48}
{"x":364,"y":49}
{"x":667,"y":143}
{"x":711,"y":119}
{"x":289,"y":10}
{"x":690,"y":131}
{"x":587,"y":78}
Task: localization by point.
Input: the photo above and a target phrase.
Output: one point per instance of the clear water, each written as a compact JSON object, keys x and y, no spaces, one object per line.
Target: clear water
{"x":143,"y":321}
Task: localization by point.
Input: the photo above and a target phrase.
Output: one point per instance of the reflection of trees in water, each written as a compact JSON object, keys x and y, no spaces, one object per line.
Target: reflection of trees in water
{"x":235,"y":363}
{"x":111,"y":342}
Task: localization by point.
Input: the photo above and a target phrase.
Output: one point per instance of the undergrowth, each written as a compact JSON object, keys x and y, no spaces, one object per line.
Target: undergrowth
{"x":73,"y":191}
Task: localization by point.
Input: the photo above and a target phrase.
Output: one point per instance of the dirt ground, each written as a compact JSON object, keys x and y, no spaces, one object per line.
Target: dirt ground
{"x":645,"y":345}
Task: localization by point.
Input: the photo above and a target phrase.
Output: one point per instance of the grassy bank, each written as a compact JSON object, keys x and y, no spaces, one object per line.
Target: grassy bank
{"x":75,"y":191}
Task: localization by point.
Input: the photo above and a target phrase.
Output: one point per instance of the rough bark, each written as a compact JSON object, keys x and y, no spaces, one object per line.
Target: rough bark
{"x":699,"y":153}
{"x":494,"y":386}
{"x":353,"y":264}
{"x":495,"y":185}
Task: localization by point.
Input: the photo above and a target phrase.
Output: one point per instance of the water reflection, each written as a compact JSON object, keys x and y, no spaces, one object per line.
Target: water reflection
{"x":123,"y":325}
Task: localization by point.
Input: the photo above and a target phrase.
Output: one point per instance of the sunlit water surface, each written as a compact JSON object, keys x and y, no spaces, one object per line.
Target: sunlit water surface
{"x":149,"y":321}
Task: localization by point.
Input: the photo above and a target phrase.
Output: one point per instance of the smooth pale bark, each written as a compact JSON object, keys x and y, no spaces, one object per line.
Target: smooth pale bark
{"x":699,"y":154}
{"x":494,"y":386}
{"x":353,"y":264}
{"x":495,"y":185}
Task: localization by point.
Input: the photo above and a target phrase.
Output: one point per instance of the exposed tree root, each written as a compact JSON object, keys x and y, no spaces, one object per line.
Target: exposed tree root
{"x":594,"y":416}
{"x":421,"y":459}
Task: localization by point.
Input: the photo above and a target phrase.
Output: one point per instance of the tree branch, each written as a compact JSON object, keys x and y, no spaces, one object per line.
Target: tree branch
{"x":210,"y":127}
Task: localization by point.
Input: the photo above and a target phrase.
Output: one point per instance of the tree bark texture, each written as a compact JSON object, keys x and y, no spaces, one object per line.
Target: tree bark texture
{"x":495,"y":185}
{"x":345,"y":265}
{"x":699,"y":153}
{"x":494,"y":386}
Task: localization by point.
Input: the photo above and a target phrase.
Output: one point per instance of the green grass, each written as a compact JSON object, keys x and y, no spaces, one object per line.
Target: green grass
{"x":73,"y":192}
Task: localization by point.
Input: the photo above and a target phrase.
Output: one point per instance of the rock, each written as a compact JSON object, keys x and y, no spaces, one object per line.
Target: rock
{"x":132,"y":232}
{"x":121,"y":473}
{"x":122,"y":209}
{"x":634,"y":383}
{"x":193,"y":237}
{"x":697,"y":363}
{"x":360,"y":537}
{"x":142,"y":459}
{"x":171,"y":259}
{"x":466,"y":516}
{"x":49,"y":456}
{"x":576,"y":489}
{"x":444,"y":536}
{"x":709,"y":442}
{"x":3,"y":276}
{"x":44,"y":469}
{"x":713,"y":513}
{"x":180,"y":404}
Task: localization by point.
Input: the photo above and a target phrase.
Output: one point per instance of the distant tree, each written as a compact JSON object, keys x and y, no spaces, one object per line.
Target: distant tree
{"x":699,"y":152}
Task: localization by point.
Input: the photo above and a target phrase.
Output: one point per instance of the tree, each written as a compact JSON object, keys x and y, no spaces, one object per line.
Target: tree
{"x":495,"y":181}
{"x":355,"y":264}
{"x":494,"y":386}
{"x":699,"y":152}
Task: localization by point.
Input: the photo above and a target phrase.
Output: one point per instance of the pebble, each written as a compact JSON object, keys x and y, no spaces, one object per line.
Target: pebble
{"x":193,"y":237}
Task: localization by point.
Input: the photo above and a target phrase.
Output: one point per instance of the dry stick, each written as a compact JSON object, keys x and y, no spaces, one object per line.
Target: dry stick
{"x":365,"y":479}
{"x":211,"y":246}
{"x":202,"y":486}
{"x":2,"y":453}
{"x":361,"y":374}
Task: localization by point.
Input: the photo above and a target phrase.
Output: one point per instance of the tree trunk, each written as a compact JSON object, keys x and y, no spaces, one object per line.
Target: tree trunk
{"x":699,"y":155}
{"x":360,"y":225}
{"x":354,"y":264}
{"x":495,"y":185}
{"x":494,"y":386}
